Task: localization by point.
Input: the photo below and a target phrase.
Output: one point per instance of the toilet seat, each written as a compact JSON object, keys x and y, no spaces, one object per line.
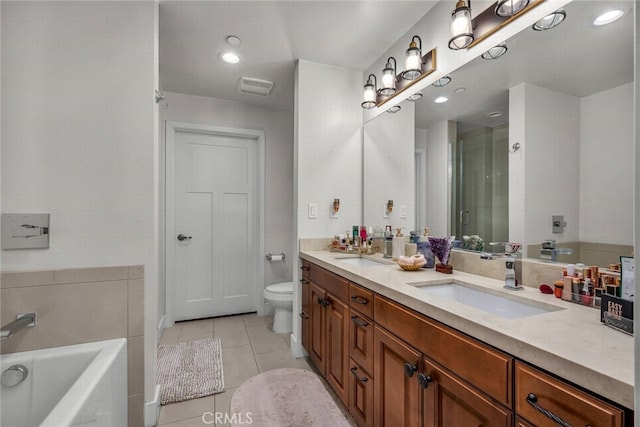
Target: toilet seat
{"x":280,"y":288}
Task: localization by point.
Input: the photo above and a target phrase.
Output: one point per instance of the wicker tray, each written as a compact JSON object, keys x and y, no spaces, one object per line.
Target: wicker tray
{"x":414,"y":267}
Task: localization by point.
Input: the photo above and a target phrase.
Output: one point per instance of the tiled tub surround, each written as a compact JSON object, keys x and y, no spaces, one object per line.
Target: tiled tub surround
{"x":570,"y":342}
{"x":82,"y":305}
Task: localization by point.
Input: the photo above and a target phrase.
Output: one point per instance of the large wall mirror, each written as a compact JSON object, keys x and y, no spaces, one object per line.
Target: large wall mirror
{"x":545,"y":130}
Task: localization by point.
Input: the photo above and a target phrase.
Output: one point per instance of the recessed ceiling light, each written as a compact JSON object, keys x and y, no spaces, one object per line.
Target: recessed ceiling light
{"x":415,"y":97}
{"x":494,"y":114}
{"x":443,"y":81}
{"x":441,"y":99}
{"x":495,"y":52}
{"x":394,"y":109}
{"x":460,"y":90}
{"x":233,"y":40}
{"x":230,"y":57}
{"x":608,"y":17}
{"x":550,"y":21}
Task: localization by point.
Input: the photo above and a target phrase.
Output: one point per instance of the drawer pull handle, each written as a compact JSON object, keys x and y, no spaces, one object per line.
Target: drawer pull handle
{"x":424,"y":380}
{"x":358,"y":321}
{"x":359,"y":300}
{"x":362,"y":380}
{"x":410,"y":369}
{"x":305,"y":268}
{"x":532,"y":400}
{"x":304,"y":315}
{"x":323,"y":302}
{"x":304,"y":281}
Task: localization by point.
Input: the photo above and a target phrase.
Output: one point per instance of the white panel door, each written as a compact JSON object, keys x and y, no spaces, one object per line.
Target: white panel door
{"x":216,"y":214}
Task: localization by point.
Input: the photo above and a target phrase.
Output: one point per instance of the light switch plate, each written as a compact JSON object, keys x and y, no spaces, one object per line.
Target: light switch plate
{"x":313,"y":210}
{"x":403,"y":212}
{"x":25,"y":231}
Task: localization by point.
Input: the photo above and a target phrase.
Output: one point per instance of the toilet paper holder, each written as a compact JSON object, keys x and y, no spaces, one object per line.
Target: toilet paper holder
{"x":276,"y":257}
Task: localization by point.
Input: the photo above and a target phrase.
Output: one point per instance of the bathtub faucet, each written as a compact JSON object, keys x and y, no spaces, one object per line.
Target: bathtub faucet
{"x":22,"y":321}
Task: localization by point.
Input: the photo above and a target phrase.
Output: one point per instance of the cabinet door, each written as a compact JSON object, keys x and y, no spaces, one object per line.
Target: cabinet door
{"x":317,"y":326}
{"x":337,"y":347}
{"x":305,"y":312}
{"x":361,"y":396}
{"x":522,"y":423}
{"x":361,"y":340}
{"x":448,"y":401}
{"x":540,"y":397}
{"x":396,"y":391}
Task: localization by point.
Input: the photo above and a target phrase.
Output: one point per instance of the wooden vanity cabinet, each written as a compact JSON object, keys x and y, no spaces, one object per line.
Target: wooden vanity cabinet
{"x":305,"y":304}
{"x":539,"y":396}
{"x":361,"y":395}
{"x":329,"y":328}
{"x":361,"y":327}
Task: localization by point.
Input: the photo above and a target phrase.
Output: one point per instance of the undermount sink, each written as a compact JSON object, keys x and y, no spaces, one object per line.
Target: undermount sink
{"x":361,"y":262}
{"x":498,"y":305}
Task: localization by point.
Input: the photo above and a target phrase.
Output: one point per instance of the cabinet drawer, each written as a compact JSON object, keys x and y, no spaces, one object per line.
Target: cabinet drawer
{"x":361,"y":340}
{"x":334,"y":284}
{"x":484,"y":367}
{"x":573,"y":406}
{"x":361,"y":299}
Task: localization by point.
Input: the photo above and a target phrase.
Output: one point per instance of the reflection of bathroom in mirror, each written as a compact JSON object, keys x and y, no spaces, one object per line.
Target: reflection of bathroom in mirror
{"x":565,"y":97}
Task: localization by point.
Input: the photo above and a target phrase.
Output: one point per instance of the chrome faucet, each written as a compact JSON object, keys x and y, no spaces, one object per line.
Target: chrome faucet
{"x":22,"y":321}
{"x":510,"y":281}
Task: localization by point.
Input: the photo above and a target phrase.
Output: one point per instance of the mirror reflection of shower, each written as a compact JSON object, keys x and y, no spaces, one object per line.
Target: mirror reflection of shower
{"x":480,"y":187}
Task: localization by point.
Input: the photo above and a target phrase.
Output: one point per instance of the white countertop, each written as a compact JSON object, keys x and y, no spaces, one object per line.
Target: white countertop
{"x":570,"y":342}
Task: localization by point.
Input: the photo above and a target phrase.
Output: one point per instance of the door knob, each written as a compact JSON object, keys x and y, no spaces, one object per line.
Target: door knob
{"x":182,"y":237}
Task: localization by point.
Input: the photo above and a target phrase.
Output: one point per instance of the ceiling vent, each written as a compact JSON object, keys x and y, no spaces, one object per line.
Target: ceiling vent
{"x":250,"y":86}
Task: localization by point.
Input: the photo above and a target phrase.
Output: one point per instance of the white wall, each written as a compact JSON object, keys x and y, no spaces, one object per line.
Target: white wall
{"x":438,"y":163}
{"x":606,"y":166}
{"x":389,"y":151}
{"x":278,"y":127}
{"x":327,"y":157}
{"x":78,"y":136}
{"x":547,"y":125}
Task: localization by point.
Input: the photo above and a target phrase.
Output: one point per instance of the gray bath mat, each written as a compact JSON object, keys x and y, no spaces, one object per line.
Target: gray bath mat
{"x":286,"y":397}
{"x":190,"y":370}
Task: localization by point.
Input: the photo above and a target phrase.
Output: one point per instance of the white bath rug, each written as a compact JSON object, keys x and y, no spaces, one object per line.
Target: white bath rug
{"x":190,"y":370}
{"x":285,"y":397}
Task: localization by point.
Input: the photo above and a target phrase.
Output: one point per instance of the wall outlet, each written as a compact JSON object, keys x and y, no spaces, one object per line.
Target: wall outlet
{"x":403,"y":212}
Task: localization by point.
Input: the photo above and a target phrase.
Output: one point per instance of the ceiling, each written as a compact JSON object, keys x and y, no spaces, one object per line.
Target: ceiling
{"x":273,"y":34}
{"x":575,"y":58}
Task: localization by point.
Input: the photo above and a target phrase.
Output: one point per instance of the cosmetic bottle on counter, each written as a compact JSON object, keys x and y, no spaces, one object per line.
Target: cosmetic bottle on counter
{"x":398,"y":245}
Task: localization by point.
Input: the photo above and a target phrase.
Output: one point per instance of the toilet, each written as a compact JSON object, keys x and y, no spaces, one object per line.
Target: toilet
{"x":280,"y":296}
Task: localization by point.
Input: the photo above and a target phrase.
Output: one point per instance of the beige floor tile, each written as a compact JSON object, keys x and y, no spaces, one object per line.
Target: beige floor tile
{"x":264,"y":340}
{"x":193,"y":336}
{"x":280,"y":359}
{"x":196,"y":327}
{"x":252,"y":319}
{"x":170,"y":335}
{"x":239,"y":365}
{"x":223,"y":402}
{"x":185,"y":410}
{"x":231,"y":332}
{"x":191,"y":422}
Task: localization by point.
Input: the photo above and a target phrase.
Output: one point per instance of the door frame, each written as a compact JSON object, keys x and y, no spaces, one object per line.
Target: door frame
{"x":171,"y":128}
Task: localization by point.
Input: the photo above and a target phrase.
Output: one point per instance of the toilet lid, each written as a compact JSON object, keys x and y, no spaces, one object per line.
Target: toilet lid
{"x":281,"y":288}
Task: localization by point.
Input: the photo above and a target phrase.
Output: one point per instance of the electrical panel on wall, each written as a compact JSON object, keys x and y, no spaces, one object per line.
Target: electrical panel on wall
{"x":25,"y":231}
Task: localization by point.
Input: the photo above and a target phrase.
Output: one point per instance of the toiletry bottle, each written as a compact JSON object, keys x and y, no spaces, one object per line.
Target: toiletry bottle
{"x":398,"y":245}
{"x":424,"y":247}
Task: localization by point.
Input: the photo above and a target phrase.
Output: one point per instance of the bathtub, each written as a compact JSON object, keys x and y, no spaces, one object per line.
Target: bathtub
{"x":76,"y":385}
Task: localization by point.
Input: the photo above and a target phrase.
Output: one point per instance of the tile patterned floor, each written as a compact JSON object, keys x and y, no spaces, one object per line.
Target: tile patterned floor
{"x":249,"y":347}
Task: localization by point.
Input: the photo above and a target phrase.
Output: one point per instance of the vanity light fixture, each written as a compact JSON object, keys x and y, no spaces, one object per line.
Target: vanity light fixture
{"x":608,"y":17}
{"x":550,"y":21}
{"x":394,"y":109}
{"x":389,"y":78}
{"x":413,"y":59}
{"x":441,"y":100}
{"x":443,"y":81}
{"x":461,"y":30}
{"x":370,"y":89}
{"x":415,"y":97}
{"x":389,"y":207}
{"x":510,"y":7}
{"x":335,"y":208}
{"x":495,"y":52}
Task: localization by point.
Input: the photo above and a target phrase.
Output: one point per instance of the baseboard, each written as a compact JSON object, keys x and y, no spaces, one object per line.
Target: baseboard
{"x":297,"y":349}
{"x":152,"y":409}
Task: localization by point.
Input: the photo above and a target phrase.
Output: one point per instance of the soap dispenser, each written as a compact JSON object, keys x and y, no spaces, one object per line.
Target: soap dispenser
{"x":398,"y":245}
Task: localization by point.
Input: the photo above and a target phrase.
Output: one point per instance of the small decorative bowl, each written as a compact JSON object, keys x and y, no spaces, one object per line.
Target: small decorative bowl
{"x":414,"y":267}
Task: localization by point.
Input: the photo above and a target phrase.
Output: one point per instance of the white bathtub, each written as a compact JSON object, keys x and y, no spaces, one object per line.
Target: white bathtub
{"x":76,"y":385}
